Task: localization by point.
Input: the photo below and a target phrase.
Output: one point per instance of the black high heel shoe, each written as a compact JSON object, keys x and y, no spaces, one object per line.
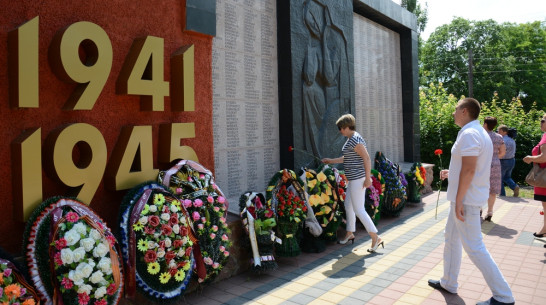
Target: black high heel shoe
{"x":539,"y":235}
{"x":488,"y":217}
{"x":344,"y":241}
{"x":379,"y":243}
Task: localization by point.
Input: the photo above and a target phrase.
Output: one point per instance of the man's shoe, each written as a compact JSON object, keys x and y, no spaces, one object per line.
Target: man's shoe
{"x":516,"y":191}
{"x":436,"y":285}
{"x":492,"y":301}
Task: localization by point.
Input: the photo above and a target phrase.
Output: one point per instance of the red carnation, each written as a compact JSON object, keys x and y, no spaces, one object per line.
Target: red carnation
{"x":161,"y":244}
{"x":150,"y":256}
{"x":290,"y":148}
{"x":83,"y":298}
{"x":72,"y":217}
{"x":153,"y":220}
{"x":100,"y":302}
{"x":438,"y":152}
{"x":183,"y":231}
{"x":149,"y":230}
{"x":111,"y":289}
{"x":188,"y":251}
{"x":173,"y":271}
{"x":60,"y":243}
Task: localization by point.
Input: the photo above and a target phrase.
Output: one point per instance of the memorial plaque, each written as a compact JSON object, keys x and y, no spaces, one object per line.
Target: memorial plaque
{"x":245,"y":97}
{"x":378,"y":88}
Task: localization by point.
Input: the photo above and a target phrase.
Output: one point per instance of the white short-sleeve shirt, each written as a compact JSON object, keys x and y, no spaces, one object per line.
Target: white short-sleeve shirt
{"x":472,"y":140}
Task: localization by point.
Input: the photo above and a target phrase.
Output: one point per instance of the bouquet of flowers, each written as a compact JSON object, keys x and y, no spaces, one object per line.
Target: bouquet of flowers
{"x":157,"y":242}
{"x":395,"y":192}
{"x":284,"y":194}
{"x":259,"y":221}
{"x":14,"y":289}
{"x":73,"y":254}
{"x":207,"y":206}
{"x":374,"y":196}
{"x":416,"y":181}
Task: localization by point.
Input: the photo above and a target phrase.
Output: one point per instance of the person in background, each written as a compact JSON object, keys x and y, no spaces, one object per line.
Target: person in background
{"x":508,"y":161}
{"x":357,"y":165}
{"x":468,"y":189}
{"x":499,"y":149}
{"x":539,"y":156}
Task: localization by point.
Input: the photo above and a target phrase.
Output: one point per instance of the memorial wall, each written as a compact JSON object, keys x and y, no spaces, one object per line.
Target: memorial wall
{"x":378,"y":88}
{"x":245,"y":96}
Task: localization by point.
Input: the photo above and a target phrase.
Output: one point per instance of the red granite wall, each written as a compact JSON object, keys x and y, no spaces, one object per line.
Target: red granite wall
{"x":123,"y":21}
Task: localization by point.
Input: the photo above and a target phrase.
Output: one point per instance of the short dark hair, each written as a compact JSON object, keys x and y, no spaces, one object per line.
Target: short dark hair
{"x":346,"y":120}
{"x":491,"y":122}
{"x":472,"y":106}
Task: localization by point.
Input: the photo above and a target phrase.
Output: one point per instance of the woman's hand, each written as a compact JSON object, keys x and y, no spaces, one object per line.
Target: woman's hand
{"x":367,"y":182}
{"x":444,"y":173}
{"x":528,"y":159}
{"x":326,"y":160}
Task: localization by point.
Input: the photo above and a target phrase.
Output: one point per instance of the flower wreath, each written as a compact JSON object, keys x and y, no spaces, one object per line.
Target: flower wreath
{"x":322,"y":190}
{"x":72,"y":255}
{"x":286,"y":197}
{"x":416,"y":181}
{"x":258,"y":220}
{"x":156,"y":242}
{"x":374,"y":195}
{"x":14,"y":287}
{"x":395,"y":192}
{"x":194,"y":185}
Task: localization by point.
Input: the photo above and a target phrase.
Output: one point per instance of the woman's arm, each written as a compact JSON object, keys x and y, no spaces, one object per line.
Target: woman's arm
{"x":502,"y":151}
{"x":541,"y":158}
{"x":361,"y":150}
{"x":332,"y":160}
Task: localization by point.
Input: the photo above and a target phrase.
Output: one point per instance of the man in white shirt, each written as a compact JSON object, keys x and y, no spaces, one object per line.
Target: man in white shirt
{"x":468,"y":191}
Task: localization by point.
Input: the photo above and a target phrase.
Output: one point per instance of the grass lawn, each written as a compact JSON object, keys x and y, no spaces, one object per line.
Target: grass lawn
{"x":524,"y":192}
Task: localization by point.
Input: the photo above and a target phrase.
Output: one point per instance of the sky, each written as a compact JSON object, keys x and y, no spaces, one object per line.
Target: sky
{"x":441,"y":12}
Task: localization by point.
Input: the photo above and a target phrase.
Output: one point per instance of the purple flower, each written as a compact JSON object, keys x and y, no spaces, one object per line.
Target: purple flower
{"x":196,"y":216}
{"x":7,"y":272}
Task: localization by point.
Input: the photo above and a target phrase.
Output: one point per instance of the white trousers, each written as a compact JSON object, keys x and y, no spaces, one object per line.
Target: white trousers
{"x":468,"y":235}
{"x":354,"y":206}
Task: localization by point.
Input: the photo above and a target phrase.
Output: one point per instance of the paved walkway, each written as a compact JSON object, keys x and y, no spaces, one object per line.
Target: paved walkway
{"x":398,"y":274}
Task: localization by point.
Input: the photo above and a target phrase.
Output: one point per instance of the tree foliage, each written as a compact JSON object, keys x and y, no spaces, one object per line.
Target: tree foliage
{"x":438,"y":130}
{"x":508,"y":58}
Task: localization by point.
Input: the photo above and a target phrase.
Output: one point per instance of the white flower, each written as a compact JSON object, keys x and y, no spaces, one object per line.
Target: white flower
{"x":165,"y":216}
{"x":160,"y":253}
{"x":96,"y":277}
{"x":100,"y":292}
{"x":79,"y":282}
{"x":94,"y":234}
{"x":85,"y":288}
{"x":172,"y":264}
{"x":176,"y":229}
{"x":79,"y":254}
{"x":181,"y":253}
{"x":174,"y":209}
{"x":100,"y":250}
{"x":105,"y":265}
{"x":67,"y":256}
{"x":182,"y":220}
{"x":87,"y":243}
{"x":85,"y":270}
{"x":153,"y":208}
{"x":151,"y":245}
{"x":80,"y":228}
{"x":91,"y":262}
{"x":72,"y":237}
{"x":168,"y":242}
{"x":143,"y":220}
{"x":184,"y":240}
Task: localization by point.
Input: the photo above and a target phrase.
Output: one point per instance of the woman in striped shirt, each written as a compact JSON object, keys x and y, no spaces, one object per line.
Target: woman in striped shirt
{"x":357,"y":166}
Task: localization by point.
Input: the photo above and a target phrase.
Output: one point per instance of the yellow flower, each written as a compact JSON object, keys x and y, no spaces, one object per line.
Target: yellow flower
{"x":308,"y":175}
{"x":270,"y":188}
{"x":311,"y":183}
{"x":142,"y":245}
{"x":145,"y":210}
{"x":328,"y":191}
{"x":326,"y":209}
{"x":186,"y":267}
{"x":325,"y":198}
{"x":176,"y":203}
{"x":159,"y":199}
{"x":315,"y":200}
{"x":164,"y":277}
{"x":153,"y":268}
{"x":321,"y":177}
{"x":180,"y":275}
{"x":137,"y":226}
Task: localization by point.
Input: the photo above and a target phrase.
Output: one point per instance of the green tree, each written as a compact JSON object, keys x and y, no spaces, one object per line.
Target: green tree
{"x":507,"y":58}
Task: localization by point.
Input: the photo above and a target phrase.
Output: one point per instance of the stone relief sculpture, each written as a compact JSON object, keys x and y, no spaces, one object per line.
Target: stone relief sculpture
{"x":326,"y":81}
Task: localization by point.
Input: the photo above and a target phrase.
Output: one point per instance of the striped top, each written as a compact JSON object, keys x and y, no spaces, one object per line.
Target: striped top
{"x":352,"y":162}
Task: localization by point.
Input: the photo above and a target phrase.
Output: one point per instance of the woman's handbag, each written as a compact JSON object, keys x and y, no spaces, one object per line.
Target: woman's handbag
{"x":537,"y":176}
